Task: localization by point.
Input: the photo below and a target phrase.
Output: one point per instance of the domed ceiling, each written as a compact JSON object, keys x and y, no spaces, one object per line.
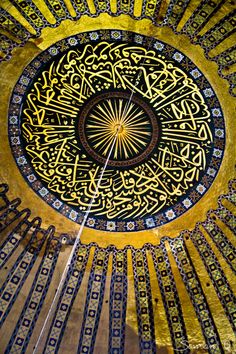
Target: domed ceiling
{"x":117,"y":196}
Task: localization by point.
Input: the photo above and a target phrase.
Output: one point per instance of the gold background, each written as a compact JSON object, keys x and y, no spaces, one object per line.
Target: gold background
{"x":9,"y":173}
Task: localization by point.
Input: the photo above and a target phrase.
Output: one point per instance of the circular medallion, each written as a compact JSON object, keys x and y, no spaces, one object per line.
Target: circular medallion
{"x":120,"y":124}
{"x":118,"y":128}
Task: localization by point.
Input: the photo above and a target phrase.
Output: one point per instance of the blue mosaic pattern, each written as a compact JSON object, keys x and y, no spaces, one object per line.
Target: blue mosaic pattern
{"x":35,"y":300}
{"x":227,"y":217}
{"x":226,"y":58}
{"x":13,"y":239}
{"x":118,"y":303}
{"x":81,"y":8}
{"x":19,"y":273}
{"x":150,"y":9}
{"x":118,"y":288}
{"x":66,"y":300}
{"x":201,"y":16}
{"x":170,"y":299}
{"x":102,"y":6}
{"x":125,"y":7}
{"x":231,"y":195}
{"x":196,"y":294}
{"x":223,"y":29}
{"x":32,"y":14}
{"x":10,"y":214}
{"x":221,"y":285}
{"x":226,"y":248}
{"x":58,"y":9}
{"x":6,"y":46}
{"x":175,"y":11}
{"x":12,"y":26}
{"x":144,"y":306}
{"x":94,"y":301}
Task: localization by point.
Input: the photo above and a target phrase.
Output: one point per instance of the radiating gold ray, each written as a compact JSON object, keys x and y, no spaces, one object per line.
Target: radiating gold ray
{"x":120,"y":116}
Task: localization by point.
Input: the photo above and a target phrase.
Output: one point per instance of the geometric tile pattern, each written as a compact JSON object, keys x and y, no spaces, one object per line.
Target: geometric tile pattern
{"x":19,"y":272}
{"x":12,"y":26}
{"x":32,"y":13}
{"x":125,"y":7}
{"x":196,"y":294}
{"x":102,"y":6}
{"x":13,"y":239}
{"x":10,"y":214}
{"x":66,"y":300}
{"x":175,"y":12}
{"x":151,"y":8}
{"x":227,"y":217}
{"x":81,"y":8}
{"x":94,"y":301}
{"x":226,"y":58}
{"x":226,"y":248}
{"x":144,"y":306}
{"x":231,"y":196}
{"x":201,"y":16}
{"x":6,"y":45}
{"x":221,"y":285}
{"x":170,"y":298}
{"x":118,"y":303}
{"x":27,"y":321}
{"x":223,"y":29}
{"x":34,"y":302}
{"x":58,"y":9}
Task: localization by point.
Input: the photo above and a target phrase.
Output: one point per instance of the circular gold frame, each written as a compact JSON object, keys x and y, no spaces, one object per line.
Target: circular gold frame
{"x":12,"y":69}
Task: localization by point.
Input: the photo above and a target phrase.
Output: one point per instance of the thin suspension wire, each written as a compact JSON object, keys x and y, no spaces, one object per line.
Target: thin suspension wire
{"x":77,"y":239}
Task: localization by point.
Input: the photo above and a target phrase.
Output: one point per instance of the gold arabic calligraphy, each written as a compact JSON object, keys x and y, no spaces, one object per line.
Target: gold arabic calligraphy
{"x":50,"y":130}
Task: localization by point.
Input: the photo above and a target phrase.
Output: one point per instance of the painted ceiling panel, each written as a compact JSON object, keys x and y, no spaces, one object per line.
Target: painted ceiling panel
{"x":117,"y":171}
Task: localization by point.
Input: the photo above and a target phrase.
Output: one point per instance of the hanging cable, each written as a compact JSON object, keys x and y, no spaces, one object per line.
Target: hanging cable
{"x":77,"y":239}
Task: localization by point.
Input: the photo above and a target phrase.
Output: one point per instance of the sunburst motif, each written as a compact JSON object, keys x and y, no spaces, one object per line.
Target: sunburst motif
{"x":117,"y":118}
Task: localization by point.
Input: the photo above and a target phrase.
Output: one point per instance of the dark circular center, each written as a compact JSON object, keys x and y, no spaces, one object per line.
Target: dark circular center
{"x":119,"y":126}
